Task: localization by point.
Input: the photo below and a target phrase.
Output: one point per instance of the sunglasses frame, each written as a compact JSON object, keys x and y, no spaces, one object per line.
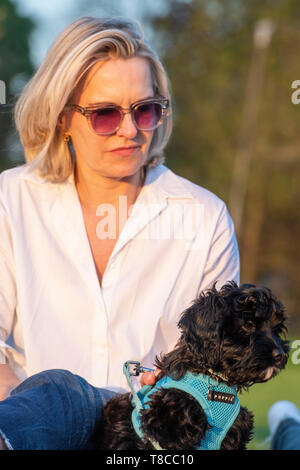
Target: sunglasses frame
{"x":89,"y":110}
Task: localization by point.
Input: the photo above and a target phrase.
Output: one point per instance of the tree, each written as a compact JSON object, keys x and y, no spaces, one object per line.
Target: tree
{"x":15,"y":65}
{"x":208,"y":52}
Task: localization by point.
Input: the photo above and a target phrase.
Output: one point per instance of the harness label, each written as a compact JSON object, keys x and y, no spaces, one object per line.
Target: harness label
{"x":223,"y":397}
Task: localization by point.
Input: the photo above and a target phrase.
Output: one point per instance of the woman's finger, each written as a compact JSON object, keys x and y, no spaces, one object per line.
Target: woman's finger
{"x":149,"y":378}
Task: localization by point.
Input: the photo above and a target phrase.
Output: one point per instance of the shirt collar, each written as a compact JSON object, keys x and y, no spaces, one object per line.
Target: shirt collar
{"x":160,"y":180}
{"x":167,"y":183}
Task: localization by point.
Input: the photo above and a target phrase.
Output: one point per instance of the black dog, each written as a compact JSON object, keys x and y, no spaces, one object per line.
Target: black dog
{"x":232,"y":335}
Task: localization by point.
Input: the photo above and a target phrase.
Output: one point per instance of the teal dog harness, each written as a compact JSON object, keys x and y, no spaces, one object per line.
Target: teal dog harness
{"x":219,"y":402}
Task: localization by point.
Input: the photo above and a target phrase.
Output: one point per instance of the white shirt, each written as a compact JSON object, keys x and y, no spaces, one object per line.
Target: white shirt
{"x":178,"y":241}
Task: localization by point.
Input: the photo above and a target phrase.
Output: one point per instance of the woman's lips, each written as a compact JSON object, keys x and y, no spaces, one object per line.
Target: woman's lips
{"x":125,"y":150}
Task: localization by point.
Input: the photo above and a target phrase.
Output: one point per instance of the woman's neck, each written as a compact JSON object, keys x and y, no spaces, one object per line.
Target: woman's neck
{"x":94,"y":189}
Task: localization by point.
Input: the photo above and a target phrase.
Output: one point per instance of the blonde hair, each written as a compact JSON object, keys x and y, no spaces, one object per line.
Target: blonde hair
{"x":75,"y":51}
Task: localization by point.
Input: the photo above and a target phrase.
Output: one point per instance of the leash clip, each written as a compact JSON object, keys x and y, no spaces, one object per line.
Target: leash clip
{"x":137,"y":370}
{"x":136,"y":401}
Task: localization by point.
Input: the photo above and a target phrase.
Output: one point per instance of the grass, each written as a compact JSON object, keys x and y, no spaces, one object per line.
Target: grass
{"x":259,"y":398}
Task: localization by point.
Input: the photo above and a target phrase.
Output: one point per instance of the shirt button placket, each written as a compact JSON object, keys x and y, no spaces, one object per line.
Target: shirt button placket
{"x":101,"y":323}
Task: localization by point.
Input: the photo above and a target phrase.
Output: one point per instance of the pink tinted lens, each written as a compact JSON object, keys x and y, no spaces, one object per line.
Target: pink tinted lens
{"x":147,"y":115}
{"x":105,"y":120}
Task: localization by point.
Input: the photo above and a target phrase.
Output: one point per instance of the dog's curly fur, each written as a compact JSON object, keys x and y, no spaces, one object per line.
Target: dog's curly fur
{"x":234,"y":333}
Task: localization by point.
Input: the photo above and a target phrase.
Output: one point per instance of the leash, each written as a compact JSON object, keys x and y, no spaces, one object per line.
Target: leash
{"x":136,"y":401}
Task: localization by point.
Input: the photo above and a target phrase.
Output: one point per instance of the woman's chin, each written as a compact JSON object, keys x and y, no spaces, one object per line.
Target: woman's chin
{"x":127,"y":169}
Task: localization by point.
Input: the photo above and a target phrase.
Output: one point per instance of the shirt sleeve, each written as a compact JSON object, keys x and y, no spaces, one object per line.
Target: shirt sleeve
{"x":223,"y":261}
{"x":8,"y":295}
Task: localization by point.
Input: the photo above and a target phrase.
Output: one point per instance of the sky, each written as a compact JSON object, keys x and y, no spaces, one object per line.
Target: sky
{"x":53,"y":16}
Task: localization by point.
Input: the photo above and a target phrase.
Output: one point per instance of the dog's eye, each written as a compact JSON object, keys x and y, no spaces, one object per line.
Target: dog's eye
{"x":249,"y":325}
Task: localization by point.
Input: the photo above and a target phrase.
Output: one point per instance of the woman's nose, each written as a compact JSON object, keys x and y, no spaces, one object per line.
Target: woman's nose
{"x":127,"y":127}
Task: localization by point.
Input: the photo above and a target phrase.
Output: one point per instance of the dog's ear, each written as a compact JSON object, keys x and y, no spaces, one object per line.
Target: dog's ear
{"x":174,"y":420}
{"x":201,"y":327}
{"x":261,"y":302}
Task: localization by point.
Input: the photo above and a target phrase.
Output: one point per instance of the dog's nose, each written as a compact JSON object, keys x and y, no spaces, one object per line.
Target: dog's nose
{"x":278,"y":356}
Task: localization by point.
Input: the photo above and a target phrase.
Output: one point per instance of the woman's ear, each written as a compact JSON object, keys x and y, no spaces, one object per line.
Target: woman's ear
{"x":62,"y":123}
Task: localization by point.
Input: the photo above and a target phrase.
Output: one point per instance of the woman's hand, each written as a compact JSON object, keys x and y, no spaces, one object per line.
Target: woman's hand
{"x":2,"y":444}
{"x":149,"y":378}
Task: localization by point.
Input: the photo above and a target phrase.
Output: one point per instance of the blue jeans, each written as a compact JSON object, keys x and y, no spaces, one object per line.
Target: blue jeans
{"x":287,"y":435}
{"x":53,"y":410}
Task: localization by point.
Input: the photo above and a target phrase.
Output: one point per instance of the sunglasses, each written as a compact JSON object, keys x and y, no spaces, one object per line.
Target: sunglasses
{"x":107,"y":119}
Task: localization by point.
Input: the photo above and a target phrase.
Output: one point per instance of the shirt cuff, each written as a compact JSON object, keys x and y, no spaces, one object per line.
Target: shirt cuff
{"x":2,"y":357}
{"x":14,"y":359}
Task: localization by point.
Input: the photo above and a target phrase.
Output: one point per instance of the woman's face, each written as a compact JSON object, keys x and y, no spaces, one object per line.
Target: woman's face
{"x":122,"y":82}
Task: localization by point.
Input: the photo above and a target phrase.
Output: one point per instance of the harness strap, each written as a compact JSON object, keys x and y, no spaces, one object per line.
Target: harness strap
{"x":136,"y":400}
{"x":137,"y":403}
{"x":219,"y":402}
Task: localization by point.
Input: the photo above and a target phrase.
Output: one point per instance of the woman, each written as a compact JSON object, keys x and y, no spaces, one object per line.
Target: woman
{"x":102,"y":246}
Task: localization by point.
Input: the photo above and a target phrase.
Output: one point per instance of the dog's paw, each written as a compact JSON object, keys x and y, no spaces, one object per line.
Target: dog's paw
{"x":174,"y":419}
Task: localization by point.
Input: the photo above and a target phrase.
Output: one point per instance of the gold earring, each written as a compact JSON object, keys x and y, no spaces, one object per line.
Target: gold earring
{"x":67,"y":137}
